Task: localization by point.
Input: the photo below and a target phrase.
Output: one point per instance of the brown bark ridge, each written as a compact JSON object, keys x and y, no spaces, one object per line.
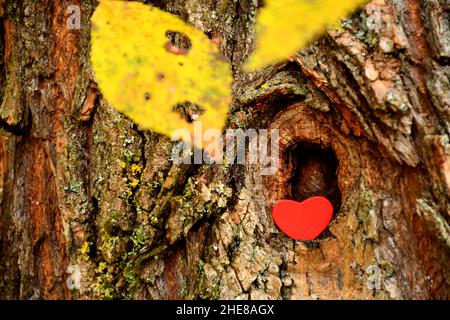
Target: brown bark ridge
{"x":364,"y":111}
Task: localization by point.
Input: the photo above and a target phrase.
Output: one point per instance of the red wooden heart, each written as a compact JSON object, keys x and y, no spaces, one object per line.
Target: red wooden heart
{"x":303,"y":220}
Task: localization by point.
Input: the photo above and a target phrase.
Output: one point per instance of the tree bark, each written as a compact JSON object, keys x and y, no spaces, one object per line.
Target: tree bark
{"x":364,"y":118}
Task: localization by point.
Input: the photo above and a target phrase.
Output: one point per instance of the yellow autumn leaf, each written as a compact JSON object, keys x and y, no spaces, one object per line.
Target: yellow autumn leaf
{"x":285,"y":26}
{"x":144,"y":76}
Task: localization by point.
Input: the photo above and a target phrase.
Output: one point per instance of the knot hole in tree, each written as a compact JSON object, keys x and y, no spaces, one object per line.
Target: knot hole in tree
{"x":313,"y":173}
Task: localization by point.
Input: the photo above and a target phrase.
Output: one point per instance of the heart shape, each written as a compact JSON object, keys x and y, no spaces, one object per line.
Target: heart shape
{"x":303,"y":220}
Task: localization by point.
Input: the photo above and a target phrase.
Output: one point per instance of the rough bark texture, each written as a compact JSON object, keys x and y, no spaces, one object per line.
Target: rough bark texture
{"x":364,"y":116}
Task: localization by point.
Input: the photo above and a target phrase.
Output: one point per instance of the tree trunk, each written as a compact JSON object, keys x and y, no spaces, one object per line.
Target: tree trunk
{"x":364,"y":118}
